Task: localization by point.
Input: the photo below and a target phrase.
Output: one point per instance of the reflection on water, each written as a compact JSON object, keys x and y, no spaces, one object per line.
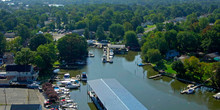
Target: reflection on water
{"x":162,"y":94}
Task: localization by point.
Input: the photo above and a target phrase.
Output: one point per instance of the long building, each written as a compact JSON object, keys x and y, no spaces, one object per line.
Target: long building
{"x":114,"y":96}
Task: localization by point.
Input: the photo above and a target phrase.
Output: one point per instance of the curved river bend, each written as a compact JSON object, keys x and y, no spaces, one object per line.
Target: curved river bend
{"x":162,"y":94}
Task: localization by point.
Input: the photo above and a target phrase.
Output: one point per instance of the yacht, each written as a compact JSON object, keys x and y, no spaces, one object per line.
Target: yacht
{"x":74,"y":84}
{"x":66,"y":76}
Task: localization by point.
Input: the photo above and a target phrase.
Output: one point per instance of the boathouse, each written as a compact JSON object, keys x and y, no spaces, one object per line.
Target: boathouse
{"x":114,"y":96}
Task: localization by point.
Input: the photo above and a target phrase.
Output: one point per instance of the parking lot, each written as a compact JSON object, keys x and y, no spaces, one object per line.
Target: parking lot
{"x":10,"y":96}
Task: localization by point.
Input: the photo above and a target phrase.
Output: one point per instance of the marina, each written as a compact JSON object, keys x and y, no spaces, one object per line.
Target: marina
{"x":125,"y":70}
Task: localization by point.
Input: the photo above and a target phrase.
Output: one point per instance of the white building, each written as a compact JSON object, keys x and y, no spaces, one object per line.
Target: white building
{"x":21,"y":73}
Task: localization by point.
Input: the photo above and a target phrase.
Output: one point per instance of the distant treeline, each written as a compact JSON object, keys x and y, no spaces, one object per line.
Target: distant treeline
{"x":140,"y":2}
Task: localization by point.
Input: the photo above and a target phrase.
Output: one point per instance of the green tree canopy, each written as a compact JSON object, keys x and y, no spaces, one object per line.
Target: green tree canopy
{"x":24,"y":57}
{"x":178,"y":67}
{"x":72,"y":47}
{"x":140,"y":29}
{"x":100,"y":35}
{"x":2,"y":44}
{"x":128,"y":26}
{"x":131,"y":39}
{"x":23,"y":31}
{"x":39,"y":40}
{"x":153,"y":55}
{"x":117,"y":31}
{"x":188,"y":41}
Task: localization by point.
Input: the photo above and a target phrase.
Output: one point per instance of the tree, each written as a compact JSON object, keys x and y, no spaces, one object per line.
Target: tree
{"x":128,"y":26}
{"x":23,"y":31}
{"x":159,"y":26}
{"x":100,"y":35}
{"x":140,"y":29}
{"x":24,"y":57}
{"x":2,"y":44}
{"x":86,"y":33}
{"x":117,"y":31}
{"x":131,"y":39}
{"x":211,"y":41}
{"x":45,"y":57}
{"x":153,"y":55}
{"x":72,"y":47}
{"x":14,"y":45}
{"x":170,"y":37}
{"x":191,"y":65}
{"x":178,"y":67}
{"x":203,"y":22}
{"x":39,"y":40}
{"x":188,"y":41}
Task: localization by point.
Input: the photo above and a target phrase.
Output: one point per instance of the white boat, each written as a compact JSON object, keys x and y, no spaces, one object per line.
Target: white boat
{"x":69,"y":101}
{"x":66,"y":76}
{"x":72,"y":86}
{"x":111,"y":53}
{"x":70,"y":105}
{"x":91,"y":54}
{"x":83,"y":76}
{"x":188,"y":91}
{"x":217,"y":96}
{"x":110,"y":60}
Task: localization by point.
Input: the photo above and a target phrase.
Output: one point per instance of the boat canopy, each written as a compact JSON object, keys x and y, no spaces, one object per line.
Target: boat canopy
{"x":114,"y":96}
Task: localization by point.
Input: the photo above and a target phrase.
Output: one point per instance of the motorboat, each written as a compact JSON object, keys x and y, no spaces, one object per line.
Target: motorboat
{"x":110,"y":60}
{"x":70,"y":105}
{"x":111,"y":53}
{"x":91,"y":54}
{"x":33,"y":86}
{"x":83,"y":76}
{"x":72,"y":86}
{"x":66,"y":76}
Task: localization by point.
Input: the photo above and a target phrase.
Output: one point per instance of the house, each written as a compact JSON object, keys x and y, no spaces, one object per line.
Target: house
{"x":21,"y":73}
{"x":172,"y":54}
{"x":211,"y":56}
{"x":118,"y":49}
{"x":182,"y":58}
{"x":26,"y":107}
{"x":79,"y":31}
{"x":8,"y":58}
{"x":147,"y":23}
{"x":9,"y":35}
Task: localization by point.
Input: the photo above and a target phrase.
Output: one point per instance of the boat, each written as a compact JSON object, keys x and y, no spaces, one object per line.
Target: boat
{"x":141,"y":64}
{"x":83,"y":76}
{"x":72,"y":86}
{"x":33,"y":86}
{"x":188,"y":91}
{"x":104,"y":60}
{"x":66,"y":76}
{"x":111,"y":53}
{"x":110,"y":60}
{"x":217,"y":96}
{"x":91,"y":54}
{"x":69,"y":105}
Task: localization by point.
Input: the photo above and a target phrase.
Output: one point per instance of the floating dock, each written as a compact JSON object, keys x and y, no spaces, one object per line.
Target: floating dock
{"x":155,"y":76}
{"x":217,"y":96}
{"x":190,"y":87}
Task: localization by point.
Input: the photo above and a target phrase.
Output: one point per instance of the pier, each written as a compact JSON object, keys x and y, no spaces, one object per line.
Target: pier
{"x":155,"y":76}
{"x":190,"y":89}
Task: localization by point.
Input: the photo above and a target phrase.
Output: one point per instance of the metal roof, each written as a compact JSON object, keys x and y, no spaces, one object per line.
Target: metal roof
{"x":114,"y":96}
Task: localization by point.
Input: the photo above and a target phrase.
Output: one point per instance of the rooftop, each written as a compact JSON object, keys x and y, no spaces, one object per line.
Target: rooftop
{"x":18,"y":68}
{"x":114,"y":96}
{"x":26,"y":107}
{"x":116,"y":46}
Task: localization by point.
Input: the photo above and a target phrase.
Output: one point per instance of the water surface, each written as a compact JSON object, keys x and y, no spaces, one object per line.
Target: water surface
{"x":162,"y":94}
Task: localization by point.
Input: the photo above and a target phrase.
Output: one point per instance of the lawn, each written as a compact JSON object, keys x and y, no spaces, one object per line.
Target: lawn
{"x":148,"y":27}
{"x":168,"y":65}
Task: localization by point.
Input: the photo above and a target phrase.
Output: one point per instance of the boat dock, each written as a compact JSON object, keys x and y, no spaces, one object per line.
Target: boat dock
{"x":155,"y":76}
{"x":111,"y":95}
{"x":190,"y":87}
{"x":108,"y":54}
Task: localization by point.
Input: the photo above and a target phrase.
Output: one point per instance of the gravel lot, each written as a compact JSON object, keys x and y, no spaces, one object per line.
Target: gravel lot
{"x":19,"y":96}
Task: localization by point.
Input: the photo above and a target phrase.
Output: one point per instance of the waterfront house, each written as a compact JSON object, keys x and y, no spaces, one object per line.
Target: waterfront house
{"x":79,"y":31}
{"x":118,"y":49}
{"x":9,"y":35}
{"x":211,"y":57}
{"x":26,"y":107}
{"x":21,"y":73}
{"x":172,"y":54}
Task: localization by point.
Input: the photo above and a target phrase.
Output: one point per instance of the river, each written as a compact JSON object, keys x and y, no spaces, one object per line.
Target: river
{"x":162,"y":94}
